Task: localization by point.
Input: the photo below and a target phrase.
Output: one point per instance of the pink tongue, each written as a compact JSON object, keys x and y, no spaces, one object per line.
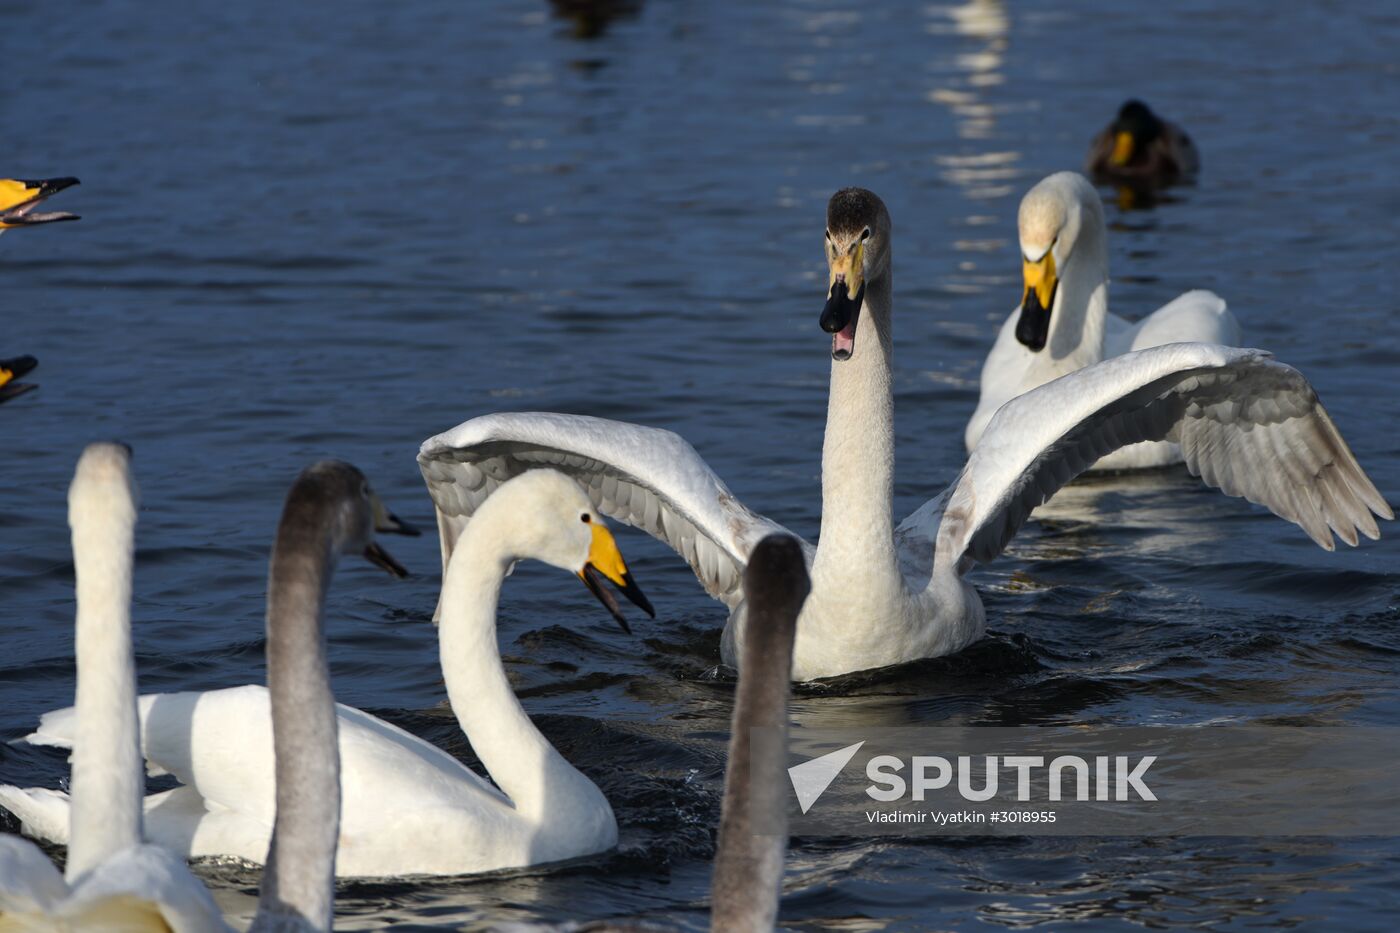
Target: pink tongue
{"x":844,"y":341}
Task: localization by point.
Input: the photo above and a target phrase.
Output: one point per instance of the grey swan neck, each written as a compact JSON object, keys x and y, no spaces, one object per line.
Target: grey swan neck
{"x":753,"y":823}
{"x":298,"y":889}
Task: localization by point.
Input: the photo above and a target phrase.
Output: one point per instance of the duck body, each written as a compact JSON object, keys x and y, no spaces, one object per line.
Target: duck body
{"x":1141,"y":150}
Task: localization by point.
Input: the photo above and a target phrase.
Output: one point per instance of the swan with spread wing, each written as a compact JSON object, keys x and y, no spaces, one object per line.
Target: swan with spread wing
{"x":884,"y":593}
{"x":1063,"y":322}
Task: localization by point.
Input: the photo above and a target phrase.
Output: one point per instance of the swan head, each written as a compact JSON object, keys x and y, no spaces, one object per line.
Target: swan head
{"x":19,"y":198}
{"x":857,"y":252}
{"x":548,"y":517}
{"x":336,"y":495}
{"x":1060,"y":212}
{"x":776,"y":585}
{"x":103,"y":492}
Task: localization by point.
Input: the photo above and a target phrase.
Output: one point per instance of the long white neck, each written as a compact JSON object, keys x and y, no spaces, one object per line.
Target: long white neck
{"x":107,"y":778}
{"x":299,"y":877}
{"x":857,"y":532}
{"x":1080,"y":312}
{"x":520,"y":760}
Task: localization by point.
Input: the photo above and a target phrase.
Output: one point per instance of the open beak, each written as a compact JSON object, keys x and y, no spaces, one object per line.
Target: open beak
{"x":843,"y":303}
{"x":386,"y":522}
{"x":11,"y":370}
{"x":605,"y":561}
{"x":1122,"y":148}
{"x":19,"y":198}
{"x":1033,"y":328}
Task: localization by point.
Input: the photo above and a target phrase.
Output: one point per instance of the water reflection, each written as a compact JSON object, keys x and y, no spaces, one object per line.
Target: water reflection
{"x":976,"y":67}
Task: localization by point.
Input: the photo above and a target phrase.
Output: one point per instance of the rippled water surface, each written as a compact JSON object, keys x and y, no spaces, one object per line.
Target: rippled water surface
{"x":316,"y":230}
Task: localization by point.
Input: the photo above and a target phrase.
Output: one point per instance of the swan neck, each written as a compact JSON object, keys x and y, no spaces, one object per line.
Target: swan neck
{"x":753,"y":820}
{"x":299,"y":878}
{"x":519,"y":759}
{"x":107,"y":778}
{"x":858,"y":449}
{"x":1080,"y":314}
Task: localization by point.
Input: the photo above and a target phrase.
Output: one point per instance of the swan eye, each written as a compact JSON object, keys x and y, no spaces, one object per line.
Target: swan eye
{"x":585,"y":518}
{"x":865,"y":234}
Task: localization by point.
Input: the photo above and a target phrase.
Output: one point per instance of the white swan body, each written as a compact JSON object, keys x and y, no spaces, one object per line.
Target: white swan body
{"x":883,"y":594}
{"x":407,"y":806}
{"x":113,"y":881}
{"x":1064,"y":244}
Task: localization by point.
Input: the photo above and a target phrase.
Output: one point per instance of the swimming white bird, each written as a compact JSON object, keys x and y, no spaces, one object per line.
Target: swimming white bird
{"x":883,"y":594}
{"x":329,"y":511}
{"x":1064,"y":323}
{"x":112,"y":881}
{"x":17,"y":202}
{"x":407,"y":806}
{"x":748,"y":873}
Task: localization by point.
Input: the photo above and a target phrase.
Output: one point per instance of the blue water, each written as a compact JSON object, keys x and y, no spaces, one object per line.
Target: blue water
{"x":334,"y":230}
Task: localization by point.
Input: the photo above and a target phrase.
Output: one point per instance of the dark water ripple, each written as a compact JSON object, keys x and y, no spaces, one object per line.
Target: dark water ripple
{"x":344,"y":233}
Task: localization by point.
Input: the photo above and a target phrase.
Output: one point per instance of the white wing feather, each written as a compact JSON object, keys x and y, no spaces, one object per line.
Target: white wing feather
{"x":1247,"y":425}
{"x":646,"y":477}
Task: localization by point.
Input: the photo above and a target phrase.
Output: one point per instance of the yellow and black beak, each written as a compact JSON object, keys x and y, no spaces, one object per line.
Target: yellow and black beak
{"x":387,"y":522}
{"x":1124,"y":145}
{"x":845,"y":295}
{"x":605,"y":561}
{"x":18,"y":199}
{"x":10,"y":370}
{"x":1033,"y":328}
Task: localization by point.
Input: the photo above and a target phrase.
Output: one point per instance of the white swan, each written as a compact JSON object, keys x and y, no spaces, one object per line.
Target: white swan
{"x":17,"y":202}
{"x":748,"y":870}
{"x":112,"y":881}
{"x":118,"y":884}
{"x":1064,"y":324}
{"x":883,"y":594}
{"x":407,"y":806}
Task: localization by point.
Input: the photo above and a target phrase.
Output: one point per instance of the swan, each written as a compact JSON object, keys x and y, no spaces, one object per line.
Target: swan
{"x":1064,"y":323}
{"x":752,"y":843}
{"x":407,"y":806}
{"x":884,"y":593}
{"x":1139,"y":148}
{"x":17,"y":202}
{"x":112,"y":881}
{"x":748,"y":869}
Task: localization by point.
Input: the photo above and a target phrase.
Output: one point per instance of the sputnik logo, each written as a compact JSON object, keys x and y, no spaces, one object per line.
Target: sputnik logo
{"x":811,"y":778}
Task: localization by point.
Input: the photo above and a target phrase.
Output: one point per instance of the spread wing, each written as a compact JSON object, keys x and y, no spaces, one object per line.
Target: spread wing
{"x":1247,"y":425}
{"x":645,"y":477}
